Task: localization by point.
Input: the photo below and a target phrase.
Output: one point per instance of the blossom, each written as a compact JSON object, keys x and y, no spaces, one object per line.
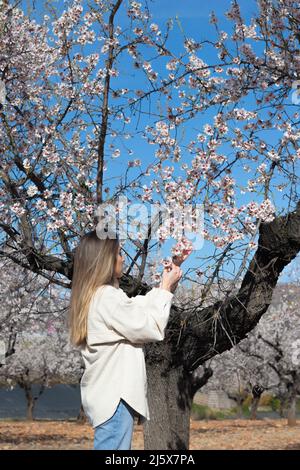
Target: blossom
{"x":172,"y":65}
{"x":32,"y":190}
{"x":18,"y":209}
{"x":116,"y":153}
{"x":138,"y":31}
{"x":213,"y":19}
{"x":190,"y":45}
{"x":208,"y":129}
{"x":26,"y":164}
{"x":47,"y":193}
{"x":252,"y":245}
{"x":273,"y":155}
{"x":41,"y":205}
{"x":154,"y":28}
{"x":183,"y":245}
{"x":133,"y":163}
{"x":66,"y":199}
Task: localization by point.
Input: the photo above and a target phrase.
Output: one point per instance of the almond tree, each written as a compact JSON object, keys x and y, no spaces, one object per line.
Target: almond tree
{"x":33,"y":332}
{"x":267,"y":359}
{"x":272,"y":350}
{"x":26,"y":376}
{"x":39,"y":363}
{"x":20,"y":292}
{"x":43,"y":356}
{"x":70,"y":103}
{"x":278,"y":337}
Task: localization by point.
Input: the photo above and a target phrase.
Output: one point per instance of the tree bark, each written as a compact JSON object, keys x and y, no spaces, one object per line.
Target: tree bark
{"x":281,"y":408}
{"x":197,"y":382}
{"x":256,"y":394}
{"x":254,"y":407}
{"x":30,"y":407}
{"x":30,"y":401}
{"x":239,"y":403}
{"x":170,"y":400}
{"x":291,"y":412}
{"x":81,"y":418}
{"x":170,"y":397}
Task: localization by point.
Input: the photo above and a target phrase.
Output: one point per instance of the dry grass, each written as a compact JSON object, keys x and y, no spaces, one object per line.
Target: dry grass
{"x":225,"y":434}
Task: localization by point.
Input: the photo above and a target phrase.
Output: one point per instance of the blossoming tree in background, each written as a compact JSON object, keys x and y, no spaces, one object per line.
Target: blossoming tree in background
{"x":82,"y":87}
{"x":267,"y":360}
{"x":41,"y":360}
{"x":20,"y":292}
{"x":33,"y":329}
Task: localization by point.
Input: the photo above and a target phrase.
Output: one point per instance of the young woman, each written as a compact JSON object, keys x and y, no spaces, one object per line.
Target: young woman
{"x":110,"y":329}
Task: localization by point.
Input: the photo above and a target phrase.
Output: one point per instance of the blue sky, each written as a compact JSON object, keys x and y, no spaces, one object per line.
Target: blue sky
{"x":191,"y":19}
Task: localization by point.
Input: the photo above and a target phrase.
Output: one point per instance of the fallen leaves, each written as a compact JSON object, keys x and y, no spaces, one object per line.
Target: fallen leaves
{"x":244,"y":434}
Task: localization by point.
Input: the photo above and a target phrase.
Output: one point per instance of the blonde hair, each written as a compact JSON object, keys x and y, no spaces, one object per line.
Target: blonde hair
{"x":94,"y":266}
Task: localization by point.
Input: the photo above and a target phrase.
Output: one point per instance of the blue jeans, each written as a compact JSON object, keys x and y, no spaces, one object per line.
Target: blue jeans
{"x":116,"y":432}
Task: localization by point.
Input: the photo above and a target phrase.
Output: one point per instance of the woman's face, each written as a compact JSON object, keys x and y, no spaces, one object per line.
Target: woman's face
{"x":119,"y":264}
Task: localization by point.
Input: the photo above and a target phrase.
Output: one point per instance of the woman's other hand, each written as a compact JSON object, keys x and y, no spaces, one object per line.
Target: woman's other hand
{"x":170,"y":277}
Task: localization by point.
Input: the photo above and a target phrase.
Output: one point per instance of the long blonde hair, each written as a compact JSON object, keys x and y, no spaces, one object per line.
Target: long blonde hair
{"x":94,"y":266}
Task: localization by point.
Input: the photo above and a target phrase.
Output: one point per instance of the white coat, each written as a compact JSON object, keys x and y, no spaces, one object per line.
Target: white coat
{"x":118,"y":326}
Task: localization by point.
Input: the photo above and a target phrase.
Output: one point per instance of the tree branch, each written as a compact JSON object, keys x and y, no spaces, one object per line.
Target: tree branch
{"x":217,"y":328}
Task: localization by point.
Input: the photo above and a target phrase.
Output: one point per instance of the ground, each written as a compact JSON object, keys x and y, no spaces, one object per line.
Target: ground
{"x":224,"y":434}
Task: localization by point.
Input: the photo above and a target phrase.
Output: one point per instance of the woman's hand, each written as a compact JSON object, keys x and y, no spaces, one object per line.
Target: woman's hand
{"x":170,"y":278}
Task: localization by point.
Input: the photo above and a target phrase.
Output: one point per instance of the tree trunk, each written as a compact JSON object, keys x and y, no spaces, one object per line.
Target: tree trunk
{"x":81,"y":418}
{"x":31,"y":400}
{"x":291,"y":413}
{"x":239,"y":403}
{"x":281,"y":408}
{"x":254,"y":406}
{"x":170,"y":400}
{"x":30,"y":403}
{"x":257,"y":391}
